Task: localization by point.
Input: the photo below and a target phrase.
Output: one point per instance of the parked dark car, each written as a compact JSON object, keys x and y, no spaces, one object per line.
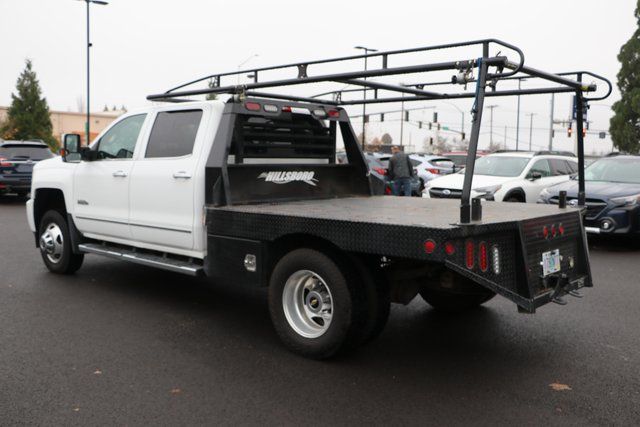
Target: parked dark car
{"x":16,"y":164}
{"x":612,"y":187}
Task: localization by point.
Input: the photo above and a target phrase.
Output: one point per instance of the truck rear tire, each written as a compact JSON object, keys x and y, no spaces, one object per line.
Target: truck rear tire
{"x":316,"y":310}
{"x":456,"y":293}
{"x":55,"y":244}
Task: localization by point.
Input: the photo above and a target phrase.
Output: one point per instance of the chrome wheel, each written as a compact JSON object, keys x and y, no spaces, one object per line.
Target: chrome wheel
{"x":52,"y":243}
{"x":307,"y":303}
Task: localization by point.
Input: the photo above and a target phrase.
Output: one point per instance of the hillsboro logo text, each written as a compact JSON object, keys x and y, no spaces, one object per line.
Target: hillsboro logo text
{"x":280,"y":177}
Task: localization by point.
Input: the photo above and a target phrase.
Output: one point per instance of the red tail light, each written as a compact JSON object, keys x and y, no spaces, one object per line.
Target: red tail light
{"x":553,"y":230}
{"x":484,"y":257}
{"x":561,"y":229}
{"x":545,"y":231}
{"x":469,"y":254}
{"x":429,"y":246}
{"x":286,"y":109}
{"x":434,"y":171}
{"x":381,"y":171}
{"x":5,"y":163}
{"x":252,"y":106}
{"x":449,"y":248}
{"x":334,"y":114}
{"x":387,"y":191}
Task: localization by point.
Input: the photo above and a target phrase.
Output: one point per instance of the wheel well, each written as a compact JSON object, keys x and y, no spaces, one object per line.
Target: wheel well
{"x":285,"y":244}
{"x":48,"y":199}
{"x":517,"y":193}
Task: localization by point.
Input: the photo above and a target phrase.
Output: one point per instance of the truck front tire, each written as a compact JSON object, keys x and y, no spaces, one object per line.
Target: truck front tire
{"x":55,"y":244}
{"x":317,"y":307}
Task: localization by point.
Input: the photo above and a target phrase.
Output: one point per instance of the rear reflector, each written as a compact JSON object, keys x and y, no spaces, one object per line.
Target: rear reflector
{"x":484,"y":256}
{"x":469,"y":254}
{"x":429,"y":246}
{"x":252,"y":106}
{"x":269,"y":108}
{"x":286,"y":109}
{"x":434,"y":171}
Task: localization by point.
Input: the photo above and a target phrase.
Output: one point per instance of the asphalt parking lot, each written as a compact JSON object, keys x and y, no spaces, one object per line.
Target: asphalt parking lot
{"x":128,"y":345}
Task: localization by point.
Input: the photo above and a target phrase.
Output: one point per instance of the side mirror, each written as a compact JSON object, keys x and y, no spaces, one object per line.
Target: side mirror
{"x":70,"y":147}
{"x":535,"y":176}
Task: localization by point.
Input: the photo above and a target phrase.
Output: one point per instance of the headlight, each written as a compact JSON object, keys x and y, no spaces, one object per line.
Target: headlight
{"x":626,"y":200}
{"x":488,"y":191}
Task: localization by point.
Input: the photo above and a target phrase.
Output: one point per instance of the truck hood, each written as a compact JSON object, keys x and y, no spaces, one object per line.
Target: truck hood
{"x":456,"y":181}
{"x":596,"y":189}
{"x":51,"y":163}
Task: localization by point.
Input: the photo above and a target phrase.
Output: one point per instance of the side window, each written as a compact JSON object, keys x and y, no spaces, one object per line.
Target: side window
{"x":573,"y":167}
{"x":560,"y":167}
{"x":120,"y":141}
{"x":542,"y":167}
{"x":173,"y":133}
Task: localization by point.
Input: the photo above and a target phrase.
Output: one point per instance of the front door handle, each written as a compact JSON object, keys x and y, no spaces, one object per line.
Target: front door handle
{"x":181,"y":175}
{"x":120,"y":174}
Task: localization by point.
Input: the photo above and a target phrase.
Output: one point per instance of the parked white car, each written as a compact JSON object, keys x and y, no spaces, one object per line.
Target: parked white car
{"x":508,"y":176}
{"x":429,"y":167}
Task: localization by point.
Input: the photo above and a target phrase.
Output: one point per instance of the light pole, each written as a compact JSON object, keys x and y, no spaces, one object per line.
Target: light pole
{"x":518,"y":118}
{"x":87,"y":125}
{"x":551,"y":122}
{"x":531,"y":128}
{"x":364,"y":106}
{"x":244,"y":62}
{"x":491,"y":107}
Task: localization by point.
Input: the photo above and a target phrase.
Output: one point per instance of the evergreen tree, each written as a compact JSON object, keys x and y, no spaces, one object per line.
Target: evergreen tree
{"x":28,"y":116}
{"x":625,"y":124}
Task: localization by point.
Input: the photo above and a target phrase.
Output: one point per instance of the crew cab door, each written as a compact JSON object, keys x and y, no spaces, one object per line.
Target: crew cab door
{"x":162,"y":199}
{"x":101,"y":187}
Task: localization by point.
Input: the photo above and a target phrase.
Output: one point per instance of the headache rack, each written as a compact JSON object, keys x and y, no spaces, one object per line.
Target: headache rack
{"x":483,"y":72}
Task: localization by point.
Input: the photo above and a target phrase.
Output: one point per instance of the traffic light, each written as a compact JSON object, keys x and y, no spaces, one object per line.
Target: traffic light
{"x":438,"y":126}
{"x":419,"y":125}
{"x":430,"y":125}
{"x":570,"y":130}
{"x":435,"y":117}
{"x":366,"y":118}
{"x":462,"y":135}
{"x":584,"y":132}
{"x":431,"y":141}
{"x":382,"y":117}
{"x":406,"y":116}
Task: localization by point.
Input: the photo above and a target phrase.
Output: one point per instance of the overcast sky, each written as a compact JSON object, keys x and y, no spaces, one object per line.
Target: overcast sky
{"x":146,"y":46}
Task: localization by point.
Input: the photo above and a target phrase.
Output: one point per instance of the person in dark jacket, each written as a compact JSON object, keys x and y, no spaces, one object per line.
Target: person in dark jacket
{"x":400,"y":172}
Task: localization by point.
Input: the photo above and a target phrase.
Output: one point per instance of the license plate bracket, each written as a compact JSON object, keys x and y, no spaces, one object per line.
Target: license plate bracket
{"x":550,"y":262}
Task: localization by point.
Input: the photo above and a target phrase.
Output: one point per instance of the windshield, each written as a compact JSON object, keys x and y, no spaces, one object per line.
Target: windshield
{"x":33,"y":152}
{"x":500,"y":166}
{"x":614,"y":170}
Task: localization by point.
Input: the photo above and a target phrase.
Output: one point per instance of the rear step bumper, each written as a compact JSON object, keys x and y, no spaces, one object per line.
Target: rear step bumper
{"x":151,"y":260}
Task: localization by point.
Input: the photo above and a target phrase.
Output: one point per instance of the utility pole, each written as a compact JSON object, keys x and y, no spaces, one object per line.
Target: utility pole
{"x":551,"y":122}
{"x":491,"y":107}
{"x":531,"y":128}
{"x":364,"y":96}
{"x":518,"y":117}
{"x":87,"y":125}
{"x":401,"y":119}
{"x":505,"y":138}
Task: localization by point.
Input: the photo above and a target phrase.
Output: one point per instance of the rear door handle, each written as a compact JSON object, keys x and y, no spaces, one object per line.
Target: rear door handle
{"x":181,"y":175}
{"x":120,"y":174}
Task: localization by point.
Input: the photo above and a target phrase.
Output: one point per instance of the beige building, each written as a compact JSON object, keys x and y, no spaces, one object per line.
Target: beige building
{"x":71,"y":122}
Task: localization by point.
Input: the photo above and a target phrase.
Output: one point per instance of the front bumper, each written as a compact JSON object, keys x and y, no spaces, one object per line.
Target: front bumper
{"x":616,"y":220}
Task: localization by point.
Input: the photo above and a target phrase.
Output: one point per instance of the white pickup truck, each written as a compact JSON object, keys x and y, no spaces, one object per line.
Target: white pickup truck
{"x":248,"y":192}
